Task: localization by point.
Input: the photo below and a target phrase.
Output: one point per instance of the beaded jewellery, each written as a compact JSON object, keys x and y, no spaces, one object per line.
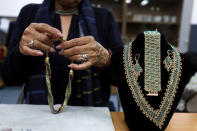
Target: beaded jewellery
{"x":157,"y":116}
{"x":50,"y":95}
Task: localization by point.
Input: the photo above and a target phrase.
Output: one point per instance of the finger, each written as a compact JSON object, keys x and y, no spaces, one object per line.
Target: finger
{"x":75,"y":58}
{"x":39,"y":45}
{"x":32,"y":52}
{"x":42,"y":38}
{"x":51,"y":37}
{"x":83,"y":66}
{"x":74,"y":51}
{"x":51,"y":31}
{"x":36,"y":44}
{"x":76,"y":42}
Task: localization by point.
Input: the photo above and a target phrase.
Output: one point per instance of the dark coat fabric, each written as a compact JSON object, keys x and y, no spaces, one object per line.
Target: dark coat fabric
{"x":30,"y":71}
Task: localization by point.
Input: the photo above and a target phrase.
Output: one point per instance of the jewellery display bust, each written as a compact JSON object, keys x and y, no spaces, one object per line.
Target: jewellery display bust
{"x":151,"y":78}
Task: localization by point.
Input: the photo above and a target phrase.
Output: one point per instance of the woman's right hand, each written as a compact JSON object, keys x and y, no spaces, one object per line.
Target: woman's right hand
{"x":38,"y":37}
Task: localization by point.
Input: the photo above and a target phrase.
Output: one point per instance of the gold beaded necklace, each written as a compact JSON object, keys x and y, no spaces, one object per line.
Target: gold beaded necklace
{"x":50,"y":95}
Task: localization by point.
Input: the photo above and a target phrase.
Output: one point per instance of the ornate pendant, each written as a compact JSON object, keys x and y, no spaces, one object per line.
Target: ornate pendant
{"x":137,"y":67}
{"x":168,"y":61}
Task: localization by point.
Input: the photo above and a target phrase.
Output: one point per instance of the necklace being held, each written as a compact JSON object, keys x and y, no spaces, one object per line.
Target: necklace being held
{"x":48,"y":83}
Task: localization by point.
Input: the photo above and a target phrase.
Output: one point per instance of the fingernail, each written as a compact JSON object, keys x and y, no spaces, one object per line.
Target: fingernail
{"x":59,"y":34}
{"x":61,"y":52}
{"x":52,"y":50}
{"x":70,"y":66}
{"x":58,"y":47}
{"x":40,"y":53}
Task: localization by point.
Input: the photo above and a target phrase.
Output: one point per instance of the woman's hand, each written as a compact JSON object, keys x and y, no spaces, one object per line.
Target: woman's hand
{"x":85,"y":49}
{"x":37,"y":37}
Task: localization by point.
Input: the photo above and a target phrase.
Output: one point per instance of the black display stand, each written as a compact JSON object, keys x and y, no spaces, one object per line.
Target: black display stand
{"x":134,"y":117}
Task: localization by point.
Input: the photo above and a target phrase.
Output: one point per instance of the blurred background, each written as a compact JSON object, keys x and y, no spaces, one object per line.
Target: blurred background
{"x":176,"y":19}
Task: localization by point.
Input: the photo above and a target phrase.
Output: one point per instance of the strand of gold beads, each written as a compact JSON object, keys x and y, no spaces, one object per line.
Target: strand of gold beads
{"x":48,"y":83}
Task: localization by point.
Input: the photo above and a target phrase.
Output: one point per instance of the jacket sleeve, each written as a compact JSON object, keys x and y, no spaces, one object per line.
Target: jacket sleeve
{"x":113,"y":37}
{"x":15,"y":65}
{"x":107,"y":29}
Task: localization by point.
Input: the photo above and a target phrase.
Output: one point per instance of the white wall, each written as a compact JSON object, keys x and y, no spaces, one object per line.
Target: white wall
{"x":11,"y":8}
{"x":189,"y":17}
{"x":194,"y":13}
{"x":185,"y":25}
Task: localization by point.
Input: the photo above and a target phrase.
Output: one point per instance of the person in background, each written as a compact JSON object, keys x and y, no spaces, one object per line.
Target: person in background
{"x":189,"y":97}
{"x":91,"y":36}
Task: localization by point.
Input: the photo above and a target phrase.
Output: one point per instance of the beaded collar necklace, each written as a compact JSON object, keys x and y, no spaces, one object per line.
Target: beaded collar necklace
{"x":157,"y":116}
{"x":74,"y":11}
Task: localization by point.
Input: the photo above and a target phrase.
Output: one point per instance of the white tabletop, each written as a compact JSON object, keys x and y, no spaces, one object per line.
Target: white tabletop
{"x":39,"y":118}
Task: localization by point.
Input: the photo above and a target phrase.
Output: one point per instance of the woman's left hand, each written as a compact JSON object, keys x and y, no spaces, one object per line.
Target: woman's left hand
{"x":85,"y":49}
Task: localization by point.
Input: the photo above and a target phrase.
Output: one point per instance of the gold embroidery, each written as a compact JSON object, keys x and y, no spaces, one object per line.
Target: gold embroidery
{"x":78,"y":81}
{"x":95,"y":74}
{"x":97,"y":89}
{"x":78,"y":96}
{"x":98,"y":102}
{"x":87,"y":92}
{"x":85,"y":77}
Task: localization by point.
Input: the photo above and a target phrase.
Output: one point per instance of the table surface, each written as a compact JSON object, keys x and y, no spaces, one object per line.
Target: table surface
{"x":22,"y":117}
{"x":179,"y":122}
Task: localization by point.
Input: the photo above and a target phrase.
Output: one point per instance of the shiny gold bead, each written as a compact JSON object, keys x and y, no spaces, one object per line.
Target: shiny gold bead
{"x":47,"y":59}
{"x":71,"y":72}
